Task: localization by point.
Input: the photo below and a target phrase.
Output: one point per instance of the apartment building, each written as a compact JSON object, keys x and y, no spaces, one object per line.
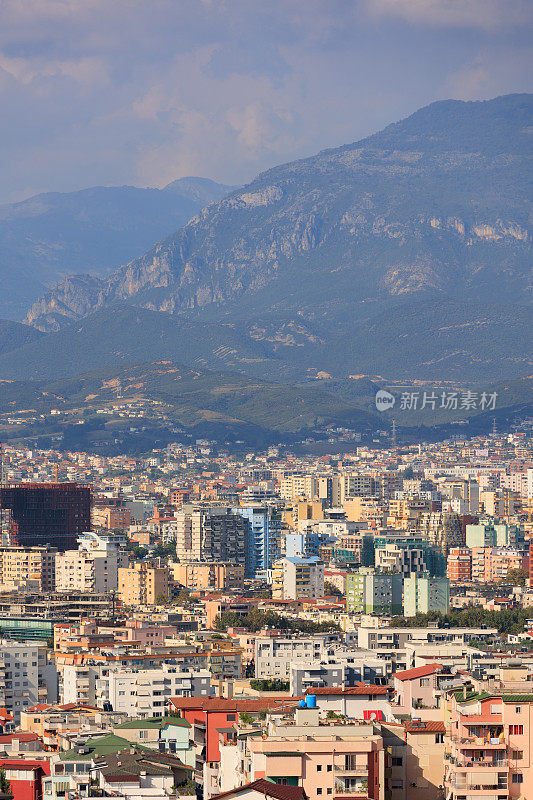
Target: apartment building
{"x":146,"y":693}
{"x":111,"y":517}
{"x":488,"y":746}
{"x":298,"y":578}
{"x":499,"y":560}
{"x":88,"y":571}
{"x":344,"y":760}
{"x":370,"y":592}
{"x":27,"y":567}
{"x":275,"y":656}
{"x":212,"y":575}
{"x":400,"y":559}
{"x":306,"y":543}
{"x":346,"y":667}
{"x":459,"y":567}
{"x":27,"y":676}
{"x":424,"y":756}
{"x":261,"y":521}
{"x":487,"y":533}
{"x":212,"y":533}
{"x":298,"y":484}
{"x":212,"y":720}
{"x":417,"y":691}
{"x":463,"y":495}
{"x":423,"y":594}
{"x":501,"y":503}
{"x":142,"y":584}
{"x":389,"y":638}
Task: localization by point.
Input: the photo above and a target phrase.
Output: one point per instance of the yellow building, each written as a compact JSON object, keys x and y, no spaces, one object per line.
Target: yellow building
{"x":28,"y":566}
{"x":302,"y":509}
{"x":142,"y":584}
{"x":211,"y":575}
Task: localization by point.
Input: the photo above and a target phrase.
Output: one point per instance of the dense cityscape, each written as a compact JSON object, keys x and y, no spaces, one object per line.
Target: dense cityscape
{"x":195,"y":622}
{"x":266,"y":400}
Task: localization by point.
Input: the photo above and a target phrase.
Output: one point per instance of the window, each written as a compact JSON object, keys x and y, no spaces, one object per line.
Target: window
{"x":518,"y":755}
{"x":329,"y":768}
{"x":517,"y":709}
{"x":516,"y":730}
{"x":143,"y":734}
{"x":319,"y":791}
{"x":397,"y":761}
{"x":518,"y":778}
{"x":424,"y":682}
{"x":319,"y":767}
{"x":439,"y":738}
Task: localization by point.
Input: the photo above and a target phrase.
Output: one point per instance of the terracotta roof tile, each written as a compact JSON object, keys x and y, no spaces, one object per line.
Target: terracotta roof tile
{"x":267,"y":789}
{"x":412,"y":726}
{"x":236,"y":704}
{"x":363,"y":689}
{"x":417,"y":672}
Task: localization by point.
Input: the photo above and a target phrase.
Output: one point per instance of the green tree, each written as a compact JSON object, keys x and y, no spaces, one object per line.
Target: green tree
{"x":269,"y":685}
{"x":516,"y":577}
{"x":331,"y":589}
{"x":5,"y":786}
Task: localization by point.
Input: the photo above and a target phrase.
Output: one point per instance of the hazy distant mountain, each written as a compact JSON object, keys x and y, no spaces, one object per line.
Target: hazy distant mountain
{"x":438,"y":204}
{"x":124,"y":335}
{"x":472,"y":342}
{"x":14,"y":335}
{"x":51,"y":235}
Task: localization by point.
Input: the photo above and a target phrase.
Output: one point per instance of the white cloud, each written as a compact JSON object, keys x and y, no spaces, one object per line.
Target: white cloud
{"x":484,"y":14}
{"x":94,"y":91}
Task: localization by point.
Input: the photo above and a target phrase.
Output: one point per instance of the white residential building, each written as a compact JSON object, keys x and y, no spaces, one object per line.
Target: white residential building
{"x":26,"y":676}
{"x":146,"y":693}
{"x":89,"y":571}
{"x":298,"y":578}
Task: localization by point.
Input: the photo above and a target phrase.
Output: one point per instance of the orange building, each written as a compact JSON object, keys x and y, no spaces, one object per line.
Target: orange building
{"x":111,"y":517}
{"x":459,"y":565}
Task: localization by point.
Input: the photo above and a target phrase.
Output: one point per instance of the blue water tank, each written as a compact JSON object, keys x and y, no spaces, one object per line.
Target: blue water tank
{"x":301,"y":704}
{"x":310,"y":701}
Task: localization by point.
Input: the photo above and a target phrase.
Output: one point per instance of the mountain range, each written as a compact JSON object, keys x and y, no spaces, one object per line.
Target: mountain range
{"x":52,"y":235}
{"x":435,"y":205}
{"x":405,"y":256}
{"x":468,"y":342}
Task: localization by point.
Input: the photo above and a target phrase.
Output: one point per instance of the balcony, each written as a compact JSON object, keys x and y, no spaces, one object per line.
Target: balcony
{"x":355,"y":770}
{"x":464,"y":762}
{"x":477,"y":742}
{"x":476,"y":784}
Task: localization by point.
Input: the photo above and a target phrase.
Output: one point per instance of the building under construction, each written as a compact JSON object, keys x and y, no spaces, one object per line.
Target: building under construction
{"x":52,"y":514}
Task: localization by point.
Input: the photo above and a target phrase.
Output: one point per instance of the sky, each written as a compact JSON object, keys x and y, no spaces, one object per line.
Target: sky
{"x":140,"y":92}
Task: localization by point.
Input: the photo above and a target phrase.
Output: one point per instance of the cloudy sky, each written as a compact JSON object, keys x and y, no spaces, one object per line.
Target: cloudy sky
{"x":144,"y":91}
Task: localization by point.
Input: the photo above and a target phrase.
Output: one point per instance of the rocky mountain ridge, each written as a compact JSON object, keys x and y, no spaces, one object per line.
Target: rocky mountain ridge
{"x":52,"y":235}
{"x":436,"y":203}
